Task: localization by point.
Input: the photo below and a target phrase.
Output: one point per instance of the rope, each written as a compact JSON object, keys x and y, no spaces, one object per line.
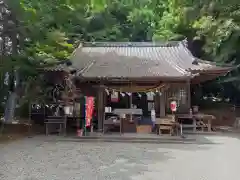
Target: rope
{"x":135,"y":89}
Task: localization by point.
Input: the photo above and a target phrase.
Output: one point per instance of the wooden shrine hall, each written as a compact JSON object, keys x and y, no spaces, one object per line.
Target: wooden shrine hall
{"x":131,"y":79}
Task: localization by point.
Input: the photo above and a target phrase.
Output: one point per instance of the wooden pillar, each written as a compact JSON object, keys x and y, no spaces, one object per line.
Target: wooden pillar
{"x":130,"y":105}
{"x":101,"y":108}
{"x":162,"y":104}
{"x":130,"y":101}
{"x":189,"y":93}
{"x":157,"y":104}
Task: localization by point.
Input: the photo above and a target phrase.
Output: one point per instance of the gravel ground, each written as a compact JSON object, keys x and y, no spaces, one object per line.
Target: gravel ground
{"x":40,"y":159}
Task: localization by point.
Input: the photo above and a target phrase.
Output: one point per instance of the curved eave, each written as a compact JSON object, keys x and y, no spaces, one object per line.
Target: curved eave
{"x":209,"y":74}
{"x":138,"y":79}
{"x":216,"y":70}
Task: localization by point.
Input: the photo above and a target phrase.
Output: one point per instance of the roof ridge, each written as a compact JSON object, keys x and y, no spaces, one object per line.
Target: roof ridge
{"x":130,"y":44}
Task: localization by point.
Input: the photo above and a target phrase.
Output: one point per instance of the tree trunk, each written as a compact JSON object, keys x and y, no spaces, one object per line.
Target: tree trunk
{"x":11,"y":32}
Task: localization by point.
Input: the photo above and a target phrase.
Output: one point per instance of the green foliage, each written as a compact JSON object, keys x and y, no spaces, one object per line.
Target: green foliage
{"x":51,"y":29}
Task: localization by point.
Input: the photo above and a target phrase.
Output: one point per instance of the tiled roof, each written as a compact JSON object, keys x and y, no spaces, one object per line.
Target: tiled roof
{"x":135,"y":60}
{"x":206,"y":66}
{"x":59,"y":67}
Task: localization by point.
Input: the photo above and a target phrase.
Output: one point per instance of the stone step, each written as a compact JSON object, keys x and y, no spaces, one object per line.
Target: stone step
{"x":160,"y":141}
{"x":153,"y":141}
{"x":129,"y":139}
{"x":157,"y":138}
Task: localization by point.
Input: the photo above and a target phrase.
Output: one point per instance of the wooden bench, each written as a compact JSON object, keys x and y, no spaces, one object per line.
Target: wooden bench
{"x":53,"y":120}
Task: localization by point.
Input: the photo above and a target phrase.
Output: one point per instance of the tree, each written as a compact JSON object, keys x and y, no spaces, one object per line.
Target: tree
{"x":36,"y":42}
{"x":47,"y":31}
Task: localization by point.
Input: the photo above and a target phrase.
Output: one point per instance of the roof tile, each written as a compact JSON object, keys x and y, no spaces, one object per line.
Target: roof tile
{"x":135,"y":60}
{"x":128,"y":60}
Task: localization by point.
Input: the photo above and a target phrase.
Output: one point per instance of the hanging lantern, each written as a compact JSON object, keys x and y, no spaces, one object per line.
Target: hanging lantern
{"x":114,"y":97}
{"x":173,"y":106}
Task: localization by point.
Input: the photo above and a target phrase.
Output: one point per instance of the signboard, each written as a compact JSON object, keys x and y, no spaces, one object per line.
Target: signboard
{"x":173,"y":106}
{"x":89,"y":110}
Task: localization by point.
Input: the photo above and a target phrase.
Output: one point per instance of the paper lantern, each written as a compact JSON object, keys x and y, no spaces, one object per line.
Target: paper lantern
{"x":114,"y":97}
{"x":173,"y":106}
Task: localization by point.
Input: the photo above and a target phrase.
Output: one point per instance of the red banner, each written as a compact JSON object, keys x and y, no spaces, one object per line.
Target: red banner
{"x":89,"y":110}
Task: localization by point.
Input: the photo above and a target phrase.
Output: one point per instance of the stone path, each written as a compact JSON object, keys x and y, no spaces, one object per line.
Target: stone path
{"x":40,"y":159}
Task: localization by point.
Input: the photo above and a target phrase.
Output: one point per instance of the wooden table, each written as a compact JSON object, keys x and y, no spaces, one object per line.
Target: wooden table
{"x":207,"y":117}
{"x":165,"y":123}
{"x":187,"y":116}
{"x":195,"y":117}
